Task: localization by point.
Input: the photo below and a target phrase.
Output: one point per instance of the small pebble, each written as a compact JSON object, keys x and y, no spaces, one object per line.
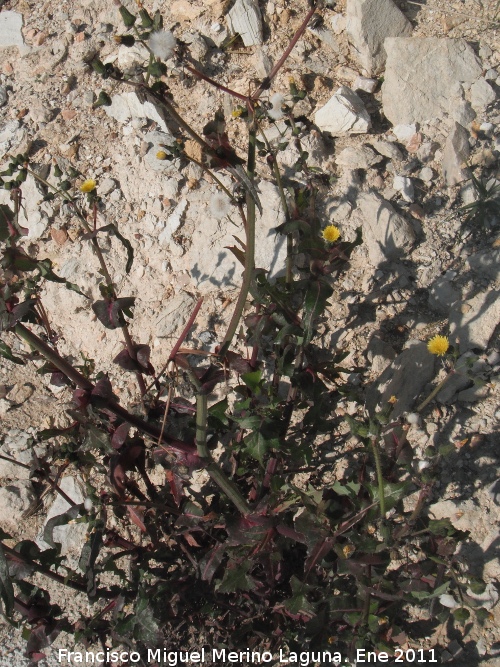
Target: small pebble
{"x":404,"y":186}
{"x":365,"y":84}
{"x":426,"y":174}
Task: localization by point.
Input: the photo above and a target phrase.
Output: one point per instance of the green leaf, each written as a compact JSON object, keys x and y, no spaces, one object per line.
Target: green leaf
{"x":146,"y":627}
{"x":350,"y":489}
{"x":252,"y":380}
{"x":218,"y":411}
{"x":298,"y":603}
{"x":423,"y":595}
{"x":483,"y":615}
{"x":6,"y":588}
{"x":45,"y":268}
{"x":262,"y":439}
{"x":59,"y":520}
{"x":236,"y":578}
{"x":393,"y":493}
{"x":314,"y":304}
{"x":127,"y":17}
{"x":6,"y":353}
{"x":112,"y":229}
{"x":357,"y":428}
{"x":461,"y":615}
{"x":157,"y":69}
{"x":477,"y":586}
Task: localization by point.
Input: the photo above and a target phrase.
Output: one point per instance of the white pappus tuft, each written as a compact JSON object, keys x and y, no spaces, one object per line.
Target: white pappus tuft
{"x":162,"y":43}
{"x":276,"y":101}
{"x":219,"y":205}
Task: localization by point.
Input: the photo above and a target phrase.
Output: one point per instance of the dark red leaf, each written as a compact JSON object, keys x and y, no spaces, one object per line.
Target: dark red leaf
{"x":143,"y":352}
{"x":210,"y":563}
{"x":190,"y":539}
{"x":125,"y":361}
{"x":237,"y":363}
{"x":103,"y":389}
{"x":120,"y":435}
{"x":176,"y":486}
{"x":81,"y":398}
{"x":110,"y":312}
{"x":137,"y":517}
{"x":58,"y":379}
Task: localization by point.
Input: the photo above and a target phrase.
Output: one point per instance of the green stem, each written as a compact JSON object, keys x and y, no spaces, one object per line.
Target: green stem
{"x":201,"y":425}
{"x":228,"y":487}
{"x":435,"y":391}
{"x":380,"y":479}
{"x":250,"y":245}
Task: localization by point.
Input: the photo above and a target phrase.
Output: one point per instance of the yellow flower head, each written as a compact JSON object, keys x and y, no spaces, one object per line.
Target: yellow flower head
{"x":161,"y":155}
{"x":88,"y":185}
{"x":348,"y":550}
{"x":438,"y":345}
{"x":331,"y":233}
{"x":236,"y":113}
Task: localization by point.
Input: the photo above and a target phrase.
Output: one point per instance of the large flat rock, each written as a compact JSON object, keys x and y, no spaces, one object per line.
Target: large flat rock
{"x":422,"y":74}
{"x":369,"y":23}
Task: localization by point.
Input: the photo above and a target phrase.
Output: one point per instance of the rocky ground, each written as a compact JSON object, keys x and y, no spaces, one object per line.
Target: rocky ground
{"x":401,"y":108}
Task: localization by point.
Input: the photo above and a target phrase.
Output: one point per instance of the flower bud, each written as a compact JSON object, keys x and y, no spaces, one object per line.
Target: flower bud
{"x":126,"y":40}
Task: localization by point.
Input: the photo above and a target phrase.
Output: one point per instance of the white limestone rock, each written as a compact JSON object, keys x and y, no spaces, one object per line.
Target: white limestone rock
{"x":357,"y":157}
{"x":455,"y":155}
{"x":421,"y":75}
{"x":344,"y":113}
{"x":11,"y":24}
{"x":245,"y":18}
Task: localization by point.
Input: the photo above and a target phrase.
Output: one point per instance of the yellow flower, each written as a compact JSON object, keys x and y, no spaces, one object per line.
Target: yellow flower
{"x":348,"y":550}
{"x":236,"y":113}
{"x":161,"y":155}
{"x":438,"y":345}
{"x":331,"y":233}
{"x":88,"y":185}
